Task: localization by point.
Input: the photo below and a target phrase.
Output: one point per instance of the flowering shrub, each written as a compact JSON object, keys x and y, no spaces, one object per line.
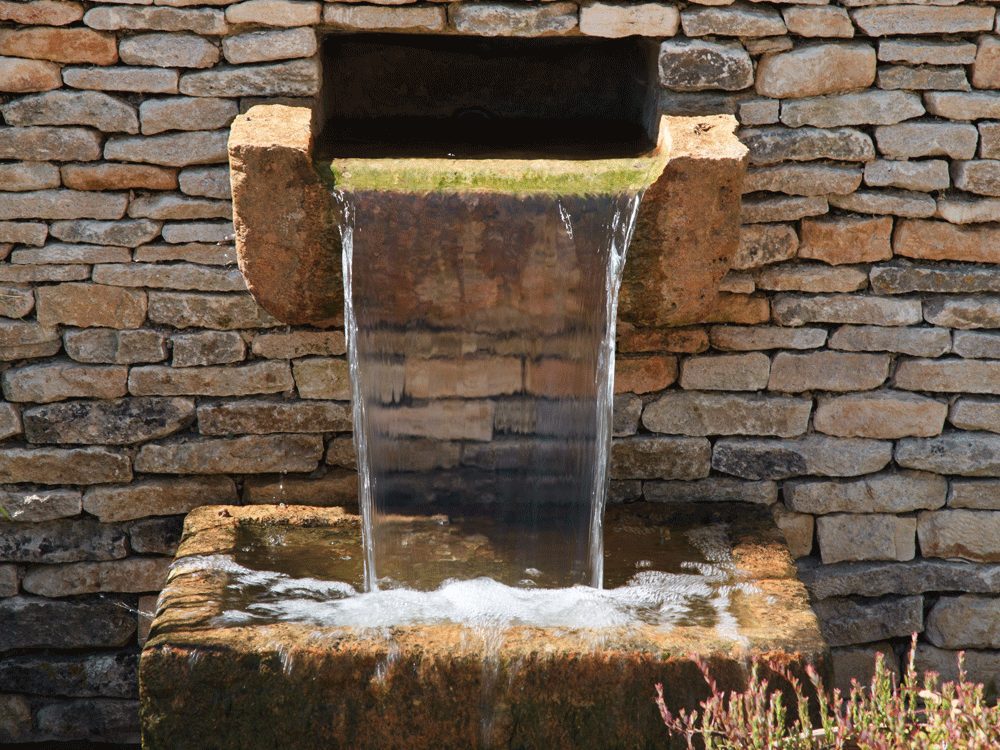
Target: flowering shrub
{"x":913,"y":714}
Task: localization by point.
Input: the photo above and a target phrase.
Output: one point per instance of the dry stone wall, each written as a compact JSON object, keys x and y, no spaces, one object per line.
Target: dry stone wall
{"x":849,"y":376}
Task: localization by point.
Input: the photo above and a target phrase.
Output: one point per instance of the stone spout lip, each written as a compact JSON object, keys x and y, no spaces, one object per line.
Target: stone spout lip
{"x":287,"y":218}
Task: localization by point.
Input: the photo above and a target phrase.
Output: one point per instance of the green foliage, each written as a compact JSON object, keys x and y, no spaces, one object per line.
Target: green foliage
{"x":915,"y":714}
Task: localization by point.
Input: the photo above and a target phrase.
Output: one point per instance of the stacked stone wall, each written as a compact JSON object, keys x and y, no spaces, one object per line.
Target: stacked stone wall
{"x":849,"y":376}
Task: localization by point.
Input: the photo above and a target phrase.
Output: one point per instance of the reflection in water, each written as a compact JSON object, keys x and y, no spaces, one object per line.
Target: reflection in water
{"x":481,"y":338}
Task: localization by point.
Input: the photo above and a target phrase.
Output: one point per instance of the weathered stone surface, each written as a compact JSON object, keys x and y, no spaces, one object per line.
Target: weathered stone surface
{"x":62,"y":204}
{"x":758,"y":111}
{"x":23,"y":232}
{"x":91,"y":305}
{"x":121,"y":422}
{"x":16,"y":722}
{"x":157,"y":497}
{"x":626,"y":410}
{"x":264,"y":46}
{"x":172,"y":150}
{"x":32,"y":506}
{"x":962,"y":210}
{"x":59,"y":380}
{"x":219,"y":311}
{"x":856,"y":664}
{"x":123,"y":233}
{"x":827,"y":371}
{"x":803,"y":179}
{"x":202,"y":253}
{"x":322,"y":378}
{"x":15,"y":302}
{"x":881,"y":578}
{"x":333,"y":488}
{"x":258,"y":377}
{"x":169,"y":50}
{"x":660,"y":458}
{"x":187,"y":113}
{"x":899,"y":202}
{"x":184,"y":276}
{"x":89,"y":719}
{"x":926,"y":52}
{"x":712,"y":490}
{"x":199,"y":20}
{"x":989,"y":140}
{"x":172,"y":206}
{"x":902,"y":278}
{"x":773,"y":145}
{"x":207,"y":348}
{"x":740,"y":372}
{"x":61,"y":541}
{"x":16,"y":333}
{"x":915,"y":139}
{"x":198,"y":231}
{"x":260,"y":417}
{"x":134,"y":575}
{"x":798,"y":529}
{"x":939,"y":240}
{"x":862,"y":108}
{"x":36,"y":622}
{"x":296,"y":344}
{"x":899,"y":20}
{"x":76,"y":45}
{"x":845,"y":622}
{"x":891,"y":492}
{"x":851,"y":536}
{"x":978,"y":666}
{"x":965,"y":621}
{"x":341,"y":453}
{"x":922,"y":79}
{"x":681,"y":340}
{"x":27,"y":274}
{"x":977,"y":345}
{"x":963,"y":453}
{"x":57,"y":253}
{"x":982,"y":177}
{"x":486,"y":19}
{"x":977,"y":494}
{"x":815,"y":70}
{"x":810,"y":278}
{"x":965,"y":534}
{"x":846,"y":239}
{"x":291,"y":78}
{"x":244,"y":455}
{"x":136,"y":80}
{"x":274,"y":13}
{"x":739,"y":338}
{"x":10,"y":421}
{"x":40,"y":12}
{"x":112,"y":675}
{"x":957,"y":105}
{"x":764,"y":207}
{"x":697,"y":65}
{"x":823,"y":21}
{"x":700,"y":414}
{"x":20,"y":76}
{"x":115,"y":347}
{"x":986,"y":68}
{"x":734,"y":20}
{"x":210,"y":182}
{"x":949,"y":376}
{"x":644,"y":374}
{"x":615,"y":20}
{"x":964,"y":312}
{"x":845,"y":308}
{"x":813,"y":454}
{"x":156,"y":536}
{"x":885,"y":414}
{"x":91,"y":108}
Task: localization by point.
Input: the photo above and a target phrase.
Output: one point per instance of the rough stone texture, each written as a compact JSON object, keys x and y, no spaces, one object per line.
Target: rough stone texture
{"x":949,"y":376}
{"x":74,"y":45}
{"x":264,"y":46}
{"x":36,"y":622}
{"x":892,"y":20}
{"x":965,"y":454}
{"x":885,"y":414}
{"x":136,"y":574}
{"x":856,"y":664}
{"x":660,"y":458}
{"x":975,"y":414}
{"x":54,"y":466}
{"x":814,"y":454}
{"x":939,"y":240}
{"x":487,"y":19}
{"x":91,"y":108}
{"x":845,"y":308}
{"x":777,"y":144}
{"x":740,"y":338}
{"x":59,"y":380}
{"x":863,"y":108}
{"x":119,"y":422}
{"x":91,"y":305}
{"x":815,"y":70}
{"x":892,"y":492}
{"x":917,"y":139}
{"x":865,"y":537}
{"x":960,"y":534}
{"x":827,"y":371}
{"x":258,"y":377}
{"x":979,"y":666}
{"x":323,"y":378}
{"x":111,"y":675}
{"x":103,"y":346}
{"x":818,"y":21}
{"x":926,"y":176}
{"x":186,"y":113}
{"x":802,"y":179}
{"x":219,"y":311}
{"x":850,"y":239}
{"x":696,"y":65}
{"x":740,"y":372}
{"x":700,"y":414}
{"x":964,"y":622}
{"x":261,"y":417}
{"x":900,"y":278}
{"x":614,"y":20}
{"x":32,"y":506}
{"x":156,"y":497}
{"x":979,"y":494}
{"x":244,"y":455}
{"x":845,"y":622}
{"x":963,"y":106}
{"x":873,"y":579}
{"x":199,"y":20}
{"x":172,"y":150}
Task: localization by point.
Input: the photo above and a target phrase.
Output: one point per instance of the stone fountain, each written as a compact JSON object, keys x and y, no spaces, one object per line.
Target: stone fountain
{"x":467,"y":219}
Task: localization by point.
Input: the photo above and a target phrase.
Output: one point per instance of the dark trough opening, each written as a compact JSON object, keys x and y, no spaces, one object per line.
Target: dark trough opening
{"x":474,"y":97}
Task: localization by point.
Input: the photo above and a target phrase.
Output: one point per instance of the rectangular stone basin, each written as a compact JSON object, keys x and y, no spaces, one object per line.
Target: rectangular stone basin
{"x":261,"y":641}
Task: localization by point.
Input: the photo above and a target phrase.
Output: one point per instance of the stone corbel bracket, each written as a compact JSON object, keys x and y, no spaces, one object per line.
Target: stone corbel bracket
{"x":289,"y":248}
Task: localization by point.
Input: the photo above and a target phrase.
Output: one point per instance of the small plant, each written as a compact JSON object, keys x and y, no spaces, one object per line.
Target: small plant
{"x":885,"y":715}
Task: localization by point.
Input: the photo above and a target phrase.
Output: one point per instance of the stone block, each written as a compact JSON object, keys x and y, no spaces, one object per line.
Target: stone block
{"x":190,"y":113}
{"x":156,"y":536}
{"x":91,"y":305}
{"x":758,"y":111}
{"x":660,"y":458}
{"x":711,"y":490}
{"x":261,"y":417}
{"x":827,"y":371}
{"x":908,"y":140}
{"x":182,"y":276}
{"x":764,"y":207}
{"x":794,"y":310}
{"x":131,"y":80}
{"x":76,"y":45}
{"x":332,"y":489}
{"x":976,"y":494}
{"x":939,"y":240}
{"x":848,"y":536}
{"x":741,"y":372}
{"x":123,"y":233}
{"x":960,"y":534}
{"x":257,"y":377}
{"x":40,"y":12}
{"x":891,"y":492}
{"x":171,"y":150}
{"x":36,"y":622}
{"x":62,"y":204}
{"x":485,"y":19}
{"x":93,"y":108}
{"x":274,"y":13}
{"x":655,"y":340}
{"x":823,"y":21}
{"x":207,"y":21}
{"x":112,"y":675}
{"x":798,"y":529}
{"x":964,"y":210}
{"x":902,"y":278}
{"x":615,"y":20}
{"x":156,"y":497}
{"x":861,"y":108}
{"x":626,"y":410}
{"x":899,"y":202}
{"x":210,"y":182}
{"x":203,"y":253}
{"x":57,"y":253}
{"x":967,"y":454}
{"x":169,"y":51}
{"x":815,"y":70}
{"x":59,"y":380}
{"x":490,"y":20}
{"x":23,"y":232}
{"x":989,"y":140}
{"x":61,"y":541}
{"x":16,"y":302}
{"x":265,"y":46}
{"x":964,"y":312}
{"x":881,"y":578}
{"x":949,"y":376}
{"x":255,"y":454}
{"x":119,"y":422}
{"x":701,"y":414}
{"x":104,"y":346}
{"x":32,"y":506}
{"x":982,"y":177}
{"x":810,"y":278}
{"x":977,"y":344}
{"x":644,"y":374}
{"x":846,"y":239}
{"x":740,"y":338}
{"x":198,"y":231}
{"x":734,"y":20}
{"x":777,"y":144}
{"x":856,"y":664}
{"x":88,"y":719}
{"x":845,"y":622}
{"x":207,"y":348}
{"x":21,"y":76}
{"x":958,"y":105}
{"x":217,"y":311}
{"x":813,"y":454}
{"x":979,"y":666}
{"x":927,"y":52}
{"x":698,"y":65}
{"x":803,"y":179}
{"x":885,"y":414}
{"x":133,"y":575}
{"x":894,"y":77}
{"x":31,"y":274}
{"x":295,"y":344}
{"x":323,"y":378}
{"x":965,"y":621}
{"x":895,"y":20}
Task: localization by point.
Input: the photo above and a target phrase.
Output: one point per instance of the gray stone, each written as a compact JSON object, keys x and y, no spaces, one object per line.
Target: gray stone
{"x":133,"y":575}
{"x":845,"y":308}
{"x":173,"y":150}
{"x":90,"y":719}
{"x":949,"y":376}
{"x":32,"y":506}
{"x":978,"y":666}
{"x":764,"y":207}
{"x":855,"y":665}
{"x":183,"y":276}
{"x":697,"y":65}
{"x":813,"y":454}
{"x":733,"y":20}
{"x":958,"y":105}
{"x":261,"y":417}
{"x":243,"y":455}
{"x":59,"y":380}
{"x":158,"y":536}
{"x":773,"y":145}
{"x":701,"y":414}
{"x":58,"y":253}
{"x":965,"y":454}
{"x":340,"y":452}
{"x":210,"y":182}
{"x":824,"y":22}
{"x":119,"y":422}
{"x":927,"y":52}
{"x":883,"y":414}
{"x":291,"y":78}
{"x":264,"y":46}
{"x":207,"y":348}
{"x":168,"y":51}
{"x":203,"y":253}
{"x":917,"y":342}
{"x":845,"y":622}
{"x":486,"y":19}
{"x":742,"y":372}
{"x":43,"y":143}
{"x":660,"y":458}
{"x":862,"y":108}
{"x":30,"y":274}
{"x":157,"y":497}
{"x":904,"y":278}
{"x":132,"y":80}
{"x":186,"y":113}
{"x":977,"y":494}
{"x":174,"y":206}
{"x":882,"y":578}
{"x":758,"y":111}
{"x":989,"y":140}
{"x":916,"y":139}
{"x":897,"y":20}
{"x":295,"y":344}
{"x":87,"y":305}
{"x":982,"y":177}
{"x":625,"y":420}
{"x":964,"y":534}
{"x":711,"y":490}
{"x":109,"y":346}
{"x":752,"y":338}
{"x":23,"y":232}
{"x":964,"y":312}
{"x":36,"y":622}
{"x":965,"y":621}
{"x":91,"y":108}
{"x":15,"y":302}
{"x":891,"y":492}
{"x":816,"y":69}
{"x":333,"y":488}
{"x":977,"y":344}
{"x":199,"y":20}
{"x":61,"y":541}
{"x":114,"y":675}
{"x":925,"y":176}
{"x":62,"y":204}
{"x":258,"y":377}
{"x":899,"y":202}
{"x":798,"y":529}
{"x":761,"y":244}
{"x":615,"y":20}
{"x":123,"y":233}
{"x":55,"y":466}
{"x":217,"y":311}
{"x":810,"y":278}
{"x":827,"y":371}
{"x":15,"y":718}
{"x":859,"y":537}
{"x":198,"y":231}
{"x":803,"y":179}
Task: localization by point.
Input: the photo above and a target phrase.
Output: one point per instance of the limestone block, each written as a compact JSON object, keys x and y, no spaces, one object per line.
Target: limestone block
{"x":890,"y":492}
{"x":59,"y":380}
{"x":892,"y":20}
{"x":846,"y":239}
{"x":206,"y":21}
{"x":257,"y":377}
{"x":857,"y":664}
{"x":91,"y":108}
{"x":660,"y":458}
{"x":644,"y":374}
{"x":846,"y":622}
{"x":977,"y":344}
{"x":803,"y":179}
{"x":118,"y":177}
{"x":122,"y":233}
{"x":114,"y":675}
{"x":172,"y":150}
{"x":334,"y":488}
{"x":798,"y":529}
{"x":746,"y":372}
{"x":169,"y":50}
{"x":711,"y":490}
{"x":862,"y":108}
{"x":964,"y":453}
{"x":255,"y":454}
{"x":156,"y":497}
{"x":56,"y":466}
{"x":326,"y":378}
{"x":274,"y":13}
{"x":260,"y":417}
{"x":957,"y":105}
{"x":927,"y":52}
{"x":845,"y":308}
{"x":484,"y":19}
{"x":980,"y":666}
{"x":977,"y":494}
{"x":23,"y":232}
{"x":975,"y":414}
{"x":899,"y":202}
{"x":29,"y":175}
{"x":734,"y":20}
{"x":78,"y":720}
{"x":91,"y":305}
{"x":133,"y":575}
{"x":739,"y":338}
{"x":697,"y":65}
{"x":203,"y":253}
{"x":916,"y":139}
{"x":963,"y":534}
{"x":33,"y":506}
{"x":873,"y":579}
{"x":849,"y":536}
{"x":210,"y":182}
{"x":265,"y":46}
{"x":119,"y":422}
{"x":76,"y":45}
{"x":296,"y":344}
{"x":810,"y":278}
{"x":184,"y":232}
{"x":49,"y":144}
{"x":769,"y":208}
{"x":922,"y":79}
{"x":824,"y":21}
{"x":186,"y":113}
{"x":815,"y":70}
{"x":964,"y":312}
{"x":36,"y":622}
{"x":885,"y":414}
{"x":627,"y":408}
{"x":40,"y":12}
{"x":702,"y":414}
{"x":925,"y":176}
{"x":813,"y":454}
{"x":761,"y":244}
{"x":949,"y":375}
{"x":989,"y":140}
{"x":225,"y":312}
{"x":962,"y":210}
{"x":135,"y":80}
{"x":615,"y":20}
{"x":827,"y":371}
{"x":778,"y":144}
{"x":758,"y":111}
{"x":207,"y":348}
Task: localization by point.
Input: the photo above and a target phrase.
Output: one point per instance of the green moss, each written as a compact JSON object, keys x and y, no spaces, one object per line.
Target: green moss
{"x":517,"y":176}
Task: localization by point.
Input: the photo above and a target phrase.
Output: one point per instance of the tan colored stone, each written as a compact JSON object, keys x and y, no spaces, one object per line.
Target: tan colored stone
{"x":660,"y":458}
{"x":825,"y":21}
{"x":295,"y":78}
{"x":491,"y":19}
{"x":261,"y":417}
{"x":916,"y":139}
{"x":926,"y":52}
{"x":20,"y":76}
{"x":957,"y":105}
{"x":29,"y":175}
{"x":816,"y":70}
{"x":72,"y":108}
{"x":856,"y":664}
{"x":187,"y":232}
{"x":133,"y":575}
{"x":137,"y":80}
{"x":31,"y":506}
{"x":115,"y":347}
{"x":803,"y":179}
{"x":23,"y":232}
{"x":644,"y":374}
{"x":56,"y":466}
{"x":334,"y":488}
{"x":118,"y":177}
{"x":960,"y":534}
{"x":169,"y":50}
{"x":777,"y":144}
{"x":797,"y":529}
{"x":899,"y":202}
{"x":258,"y":377}
{"x":970,"y":454}
{"x":845,"y":537}
{"x":964,"y":312}
{"x":949,"y":375}
{"x":975,"y":414}
{"x":890,"y":492}
{"x":299,"y":344}
{"x":744,"y":21}
{"x":322,"y":378}
{"x":256,"y":454}
{"x":49,"y":144}
{"x":739,"y":338}
{"x":764,"y":458}
{"x":207,"y":348}
{"x":764,"y":207}
{"x":859,"y":108}
{"x":210,"y":182}
{"x":810,"y":278}
{"x":62,"y":204}
{"x":172,"y":150}
{"x":702,"y":414}
{"x":845,"y":308}
{"x":122,"y":233}
{"x":119,"y":422}
{"x":117,"y":18}
{"x":880,"y":415}
{"x":761,"y":244}
{"x":186,"y":113}
{"x":728,"y":372}
{"x":827,"y":371}
{"x":982,"y":177}
{"x":40,"y":12}
{"x":965,"y":621}
{"x":16,"y":302}
{"x":926,"y":176}
{"x":60,"y":45}
{"x":274,"y":13}
{"x":900,"y":19}
{"x":939,"y":240}
{"x":196,"y":252}
{"x":656,"y":340}
{"x":758,"y":111}
{"x":218,"y":311}
{"x":922,"y":79}
{"x":157,"y":497}
{"x":976,"y":494}
{"x":91,"y":305}
{"x":977,"y":344}
{"x":989,"y":140}
{"x":264,"y":46}
{"x":437,"y":378}
{"x":963,"y":210}
{"x":59,"y":380}
{"x":615,"y":19}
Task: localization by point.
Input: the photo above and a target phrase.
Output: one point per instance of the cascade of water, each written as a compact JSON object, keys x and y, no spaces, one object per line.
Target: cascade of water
{"x":480,"y":330}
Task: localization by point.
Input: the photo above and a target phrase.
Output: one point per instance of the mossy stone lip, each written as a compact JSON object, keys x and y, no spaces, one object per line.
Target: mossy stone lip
{"x":513,"y":176}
